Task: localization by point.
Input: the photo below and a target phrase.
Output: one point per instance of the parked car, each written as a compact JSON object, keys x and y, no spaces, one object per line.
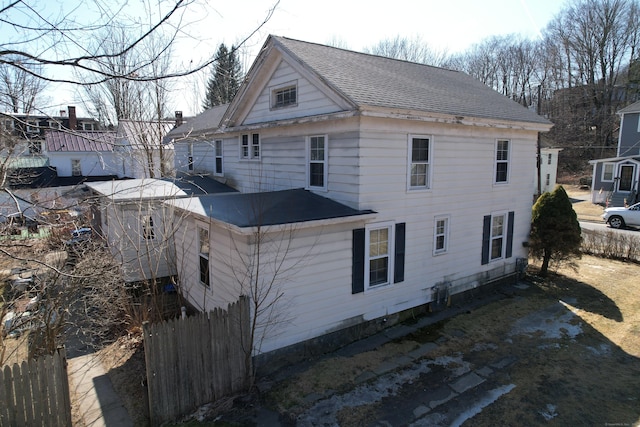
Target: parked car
{"x":621,"y":217}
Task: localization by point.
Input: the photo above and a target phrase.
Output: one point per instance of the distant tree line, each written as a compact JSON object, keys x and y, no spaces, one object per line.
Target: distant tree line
{"x":584,"y":67}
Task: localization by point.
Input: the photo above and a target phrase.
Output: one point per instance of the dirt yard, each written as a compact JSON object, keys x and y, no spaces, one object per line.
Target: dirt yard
{"x":573,"y":339}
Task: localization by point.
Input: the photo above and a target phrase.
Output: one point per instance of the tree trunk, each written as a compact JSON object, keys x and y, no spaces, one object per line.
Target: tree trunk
{"x":545,"y":263}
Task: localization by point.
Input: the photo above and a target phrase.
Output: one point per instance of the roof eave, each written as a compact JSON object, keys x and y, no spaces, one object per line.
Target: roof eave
{"x":454,"y":119}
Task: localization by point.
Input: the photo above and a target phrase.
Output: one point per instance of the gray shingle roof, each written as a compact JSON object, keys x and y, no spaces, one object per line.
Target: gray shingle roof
{"x":369,"y":80}
{"x":633,"y":108}
{"x":57,"y":141}
{"x":208,"y":120}
{"x":268,"y":208}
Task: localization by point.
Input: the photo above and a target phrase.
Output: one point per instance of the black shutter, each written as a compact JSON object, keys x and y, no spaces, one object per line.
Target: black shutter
{"x":486,"y":237}
{"x":398,"y":272}
{"x":357,"y":268}
{"x":509,"y":249}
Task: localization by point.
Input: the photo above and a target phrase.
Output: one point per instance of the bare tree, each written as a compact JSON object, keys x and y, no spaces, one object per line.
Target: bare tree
{"x":596,"y":39}
{"x":20,"y":90}
{"x":408,"y":49}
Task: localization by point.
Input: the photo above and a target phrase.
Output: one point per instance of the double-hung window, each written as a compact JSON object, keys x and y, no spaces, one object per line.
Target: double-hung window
{"x":190,"y":156}
{"x":419,"y":162}
{"x":203,"y":255}
{"x":441,"y":235}
{"x":379,"y":262}
{"x":218,"y":153}
{"x":497,"y":236}
{"x":250,"y":146}
{"x":76,"y":167}
{"x":378,"y":256}
{"x":502,"y":161}
{"x":317,"y":153}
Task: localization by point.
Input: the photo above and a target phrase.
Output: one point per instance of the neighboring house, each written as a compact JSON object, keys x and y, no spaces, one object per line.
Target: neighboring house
{"x":31,"y":127}
{"x":615,"y":180}
{"x":548,"y":169}
{"x":130,"y":215}
{"x":142,"y":150}
{"x":81,"y":153}
{"x":368,"y":186}
{"x":197,"y":144}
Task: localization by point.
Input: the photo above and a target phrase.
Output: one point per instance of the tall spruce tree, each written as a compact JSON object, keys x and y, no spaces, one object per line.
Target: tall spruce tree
{"x":226,"y":75}
{"x":555,"y":230}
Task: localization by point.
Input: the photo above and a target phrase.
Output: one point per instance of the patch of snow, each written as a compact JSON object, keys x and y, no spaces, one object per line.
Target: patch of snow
{"x":385,"y":385}
{"x":478,"y":406}
{"x":550,"y":412}
{"x":554,"y":322}
{"x":602,"y":350}
{"x":481,"y":346}
{"x":456,"y":364}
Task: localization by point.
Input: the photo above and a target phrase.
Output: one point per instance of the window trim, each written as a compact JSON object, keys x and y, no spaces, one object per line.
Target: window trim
{"x":218,"y":153}
{"x":428,"y":163}
{"x":369,"y":228}
{"x":613,"y":172}
{"x":503,"y":236}
{"x":444,"y":234}
{"x":202,"y":256}
{"x":497,"y":161}
{"x":76,"y":171}
{"x":32,"y":126}
{"x":324,"y":162}
{"x":275,"y":90}
{"x":250,"y":146}
{"x":54,"y":124}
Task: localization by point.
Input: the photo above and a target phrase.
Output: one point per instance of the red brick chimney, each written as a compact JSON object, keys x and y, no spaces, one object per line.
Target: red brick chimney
{"x":178,"y":118}
{"x":73,"y":120}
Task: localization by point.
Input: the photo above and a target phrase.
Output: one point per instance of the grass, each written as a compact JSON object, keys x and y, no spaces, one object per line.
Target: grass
{"x":587,"y":379}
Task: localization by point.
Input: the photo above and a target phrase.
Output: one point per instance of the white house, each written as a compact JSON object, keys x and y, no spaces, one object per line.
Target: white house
{"x":139,"y":231}
{"x":367,"y":186}
{"x":141,"y":150}
{"x":548,"y":169}
{"x":81,"y":153}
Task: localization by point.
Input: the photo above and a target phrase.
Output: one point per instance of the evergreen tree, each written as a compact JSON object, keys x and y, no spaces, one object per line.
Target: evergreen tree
{"x":555,"y":230}
{"x":226,"y":75}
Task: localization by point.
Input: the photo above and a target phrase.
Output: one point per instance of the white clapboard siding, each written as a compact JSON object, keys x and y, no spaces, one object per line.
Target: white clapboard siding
{"x":203,"y":156}
{"x":311,"y":100}
{"x":91,"y":163}
{"x":141,"y":259}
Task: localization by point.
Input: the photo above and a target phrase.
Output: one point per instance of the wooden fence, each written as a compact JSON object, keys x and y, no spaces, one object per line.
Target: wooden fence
{"x":36,"y":392}
{"x":196,"y":360}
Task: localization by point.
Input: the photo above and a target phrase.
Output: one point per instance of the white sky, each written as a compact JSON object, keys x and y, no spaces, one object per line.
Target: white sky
{"x":451,"y":25}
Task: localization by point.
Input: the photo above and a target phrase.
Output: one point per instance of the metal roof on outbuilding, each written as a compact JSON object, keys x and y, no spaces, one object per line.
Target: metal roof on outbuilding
{"x":57,"y":141}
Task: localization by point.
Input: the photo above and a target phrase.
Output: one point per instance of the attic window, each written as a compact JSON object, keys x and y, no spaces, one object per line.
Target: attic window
{"x":284,"y":96}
